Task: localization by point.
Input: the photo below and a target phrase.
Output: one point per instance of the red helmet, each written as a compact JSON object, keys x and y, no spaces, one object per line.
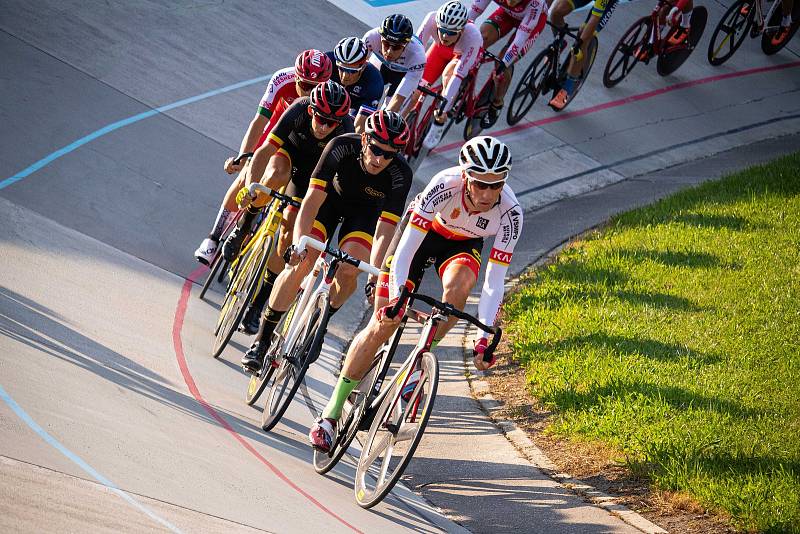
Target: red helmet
{"x":313,"y":66}
{"x":388,"y":127}
{"x":330,"y":100}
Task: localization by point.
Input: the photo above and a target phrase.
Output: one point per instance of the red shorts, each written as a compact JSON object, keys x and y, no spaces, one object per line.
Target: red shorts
{"x":437,"y":58}
{"x":505,"y":23}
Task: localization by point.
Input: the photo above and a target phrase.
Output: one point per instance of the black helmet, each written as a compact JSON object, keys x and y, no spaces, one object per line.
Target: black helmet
{"x":396,"y":29}
{"x":387,"y":127}
{"x":330,"y":100}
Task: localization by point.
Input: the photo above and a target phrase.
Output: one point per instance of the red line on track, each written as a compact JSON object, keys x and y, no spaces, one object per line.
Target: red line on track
{"x":177,"y":327}
{"x":629,"y":100}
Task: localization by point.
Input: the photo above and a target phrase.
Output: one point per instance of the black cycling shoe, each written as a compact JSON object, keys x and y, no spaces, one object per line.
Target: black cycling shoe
{"x":253,"y":359}
{"x":488,"y":120}
{"x":250,"y":321}
{"x":233,"y":244}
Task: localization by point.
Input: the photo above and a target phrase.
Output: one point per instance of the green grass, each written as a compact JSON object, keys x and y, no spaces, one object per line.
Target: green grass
{"x":674,"y":335}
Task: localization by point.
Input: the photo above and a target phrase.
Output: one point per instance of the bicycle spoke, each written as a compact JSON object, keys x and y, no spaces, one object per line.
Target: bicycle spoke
{"x":375,"y":452}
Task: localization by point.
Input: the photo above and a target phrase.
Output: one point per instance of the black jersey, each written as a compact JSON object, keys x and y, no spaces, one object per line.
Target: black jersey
{"x":294,"y":128}
{"x":339,"y":173}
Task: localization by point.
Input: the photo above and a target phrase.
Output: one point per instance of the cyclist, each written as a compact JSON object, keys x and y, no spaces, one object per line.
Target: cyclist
{"x":361,"y":79}
{"x":399,"y":56}
{"x":447,"y":222}
{"x":310,"y":68}
{"x":596,"y":20}
{"x":288,"y":157}
{"x":358,"y":178}
{"x":529,"y":18}
{"x":786,"y":23}
{"x":455,"y":50}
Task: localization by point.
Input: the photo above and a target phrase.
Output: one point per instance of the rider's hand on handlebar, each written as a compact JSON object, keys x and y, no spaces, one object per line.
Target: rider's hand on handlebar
{"x":499,"y":69}
{"x":369,"y":289}
{"x":293,"y":256}
{"x":231,"y":167}
{"x":479,"y":352}
{"x":381,"y":313}
{"x":243,"y":198}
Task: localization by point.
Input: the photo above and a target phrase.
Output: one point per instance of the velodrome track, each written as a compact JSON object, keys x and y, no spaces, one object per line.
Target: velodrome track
{"x":113,"y":415}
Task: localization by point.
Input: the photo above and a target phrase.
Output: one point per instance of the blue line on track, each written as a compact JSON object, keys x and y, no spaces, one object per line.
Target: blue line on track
{"x":74,"y":458}
{"x":119,"y":124}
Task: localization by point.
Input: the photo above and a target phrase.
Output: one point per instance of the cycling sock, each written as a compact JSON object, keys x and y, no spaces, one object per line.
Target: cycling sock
{"x":686,"y":19}
{"x":786,"y":21}
{"x":434,"y":343}
{"x":219,"y":224}
{"x":344,"y":387}
{"x":268,"y":322}
{"x":266,"y":288}
{"x":569,"y":83}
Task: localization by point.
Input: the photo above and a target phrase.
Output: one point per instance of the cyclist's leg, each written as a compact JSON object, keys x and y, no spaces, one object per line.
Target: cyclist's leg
{"x":559,"y":10}
{"x":227,"y":209}
{"x":459,"y":268}
{"x":355,"y":238}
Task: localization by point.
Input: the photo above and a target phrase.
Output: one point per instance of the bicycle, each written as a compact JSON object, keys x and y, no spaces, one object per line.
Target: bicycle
{"x":548,"y":71}
{"x":419,"y":123}
{"x":218,"y":264}
{"x":400,"y":413}
{"x":298,"y":343}
{"x":248,"y":269}
{"x":747,"y":16}
{"x":468,"y":105}
{"x":647,"y":38}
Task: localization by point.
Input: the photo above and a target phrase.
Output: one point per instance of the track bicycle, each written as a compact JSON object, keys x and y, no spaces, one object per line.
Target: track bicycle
{"x":217,"y":266}
{"x":745,"y":17}
{"x":548,"y":71}
{"x":248,"y":270}
{"x":649,"y":37}
{"x":397,"y":416}
{"x":297,"y":343}
{"x":419,"y":123}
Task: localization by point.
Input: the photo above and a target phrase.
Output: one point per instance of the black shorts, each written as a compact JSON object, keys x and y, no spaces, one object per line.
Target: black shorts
{"x":358,"y":222}
{"x":434,"y":250}
{"x":302,"y":168}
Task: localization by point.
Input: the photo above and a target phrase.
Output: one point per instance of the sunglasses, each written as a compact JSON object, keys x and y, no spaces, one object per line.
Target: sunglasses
{"x":448,"y":33}
{"x":306,"y":86}
{"x":350,"y":70}
{"x":483,"y":186}
{"x":380,"y":152}
{"x":393,"y":46}
{"x":326,"y":121}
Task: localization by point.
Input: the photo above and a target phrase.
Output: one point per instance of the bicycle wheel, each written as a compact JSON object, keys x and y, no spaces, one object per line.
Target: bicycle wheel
{"x":292,"y":369}
{"x":626,"y":54}
{"x":217,"y":265}
{"x":394,"y":435}
{"x":530,"y":86}
{"x":241,"y":292}
{"x":258,"y":383}
{"x":457,"y":110}
{"x":591,"y":52}
{"x":673,"y":57}
{"x":730,"y":32}
{"x":766,"y":38}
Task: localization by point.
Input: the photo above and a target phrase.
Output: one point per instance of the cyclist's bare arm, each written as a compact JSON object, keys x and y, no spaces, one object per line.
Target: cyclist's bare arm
{"x":396,"y":103}
{"x":249,"y":141}
{"x":314,"y":198}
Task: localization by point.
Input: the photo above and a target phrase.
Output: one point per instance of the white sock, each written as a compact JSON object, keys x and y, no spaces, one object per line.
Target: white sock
{"x":686,"y":18}
{"x":786,"y":21}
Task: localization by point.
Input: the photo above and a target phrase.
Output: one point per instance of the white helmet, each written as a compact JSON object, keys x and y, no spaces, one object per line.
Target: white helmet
{"x":350,"y":51}
{"x":484,"y":154}
{"x":452,"y":16}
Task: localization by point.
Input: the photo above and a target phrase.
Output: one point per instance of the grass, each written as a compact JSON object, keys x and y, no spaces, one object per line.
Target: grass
{"x":673,"y":335}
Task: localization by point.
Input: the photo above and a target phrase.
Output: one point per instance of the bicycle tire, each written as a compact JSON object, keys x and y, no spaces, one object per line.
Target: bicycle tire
{"x":592,"y":52}
{"x":293,"y":367}
{"x":635,"y":36}
{"x":671,"y":59}
{"x":258,"y":382}
{"x":412,"y":149}
{"x":472,"y":128}
{"x":217,"y":264}
{"x":766,"y":38}
{"x":735,"y":26}
{"x":366,"y":497}
{"x":234,"y":307}
{"x":457,"y":109}
{"x":530,"y":85}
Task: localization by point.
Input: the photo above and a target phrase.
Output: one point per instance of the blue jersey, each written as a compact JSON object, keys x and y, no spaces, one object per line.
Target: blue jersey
{"x":367,"y":91}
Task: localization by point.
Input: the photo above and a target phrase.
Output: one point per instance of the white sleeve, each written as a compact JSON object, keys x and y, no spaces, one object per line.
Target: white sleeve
{"x":477,"y":7}
{"x":524,"y":32}
{"x":427,"y":29}
{"x":416,"y":66}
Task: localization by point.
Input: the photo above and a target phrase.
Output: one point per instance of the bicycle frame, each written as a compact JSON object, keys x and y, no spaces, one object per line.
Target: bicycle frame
{"x":655,"y":40}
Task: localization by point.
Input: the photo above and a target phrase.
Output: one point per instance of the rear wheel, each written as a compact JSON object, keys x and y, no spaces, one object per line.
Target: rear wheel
{"x":730,"y":32}
{"x":217,"y":266}
{"x":292,"y":368}
{"x":631,"y":47}
{"x":672,"y":58}
{"x":530,"y":86}
{"x":766,"y":38}
{"x":394,"y":434}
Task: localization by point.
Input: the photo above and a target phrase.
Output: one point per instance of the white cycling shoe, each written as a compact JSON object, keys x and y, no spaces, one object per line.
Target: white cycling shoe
{"x":434,"y":136}
{"x":206,"y":251}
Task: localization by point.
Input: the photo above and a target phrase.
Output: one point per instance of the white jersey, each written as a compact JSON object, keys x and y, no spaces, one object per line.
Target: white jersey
{"x":467,"y":50}
{"x":442,"y":207}
{"x":410,"y":64}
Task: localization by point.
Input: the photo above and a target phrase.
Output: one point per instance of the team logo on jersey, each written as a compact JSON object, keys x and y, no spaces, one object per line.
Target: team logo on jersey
{"x":374,"y":193}
{"x":500,"y":257}
{"x":482,"y":223}
{"x":455,"y":213}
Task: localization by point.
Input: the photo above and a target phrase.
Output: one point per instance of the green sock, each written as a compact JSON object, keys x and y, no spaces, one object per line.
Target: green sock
{"x":434,"y":343}
{"x":345,"y":386}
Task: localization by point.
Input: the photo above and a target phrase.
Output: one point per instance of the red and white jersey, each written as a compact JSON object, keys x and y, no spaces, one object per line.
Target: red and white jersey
{"x":467,"y":47}
{"x":531,"y":15}
{"x":442,"y":208}
{"x":281,"y":92}
{"x":519,"y":11}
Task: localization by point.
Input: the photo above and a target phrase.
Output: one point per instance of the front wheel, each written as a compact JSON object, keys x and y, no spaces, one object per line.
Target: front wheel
{"x":395,"y":433}
{"x":472,"y":127}
{"x":530,"y":86}
{"x":730,"y":32}
{"x":631,"y":48}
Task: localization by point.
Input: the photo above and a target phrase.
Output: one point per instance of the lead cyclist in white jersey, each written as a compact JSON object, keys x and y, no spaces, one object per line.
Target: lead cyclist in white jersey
{"x":447,"y":222}
{"x":400,"y":57}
